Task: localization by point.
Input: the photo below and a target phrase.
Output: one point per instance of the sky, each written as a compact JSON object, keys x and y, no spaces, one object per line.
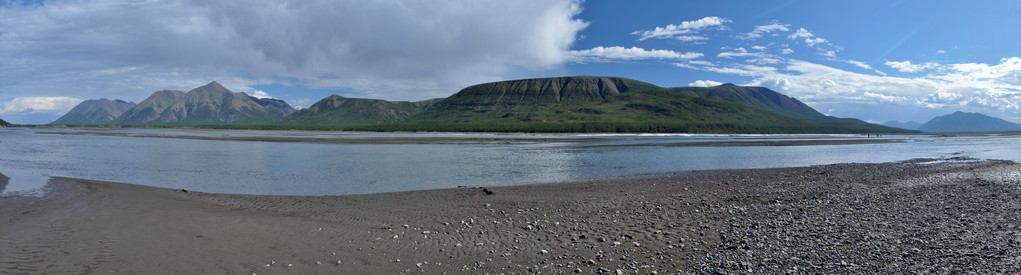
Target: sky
{"x":872,"y":60}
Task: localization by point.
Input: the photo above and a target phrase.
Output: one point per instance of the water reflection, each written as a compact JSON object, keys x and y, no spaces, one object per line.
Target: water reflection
{"x":332,"y":168}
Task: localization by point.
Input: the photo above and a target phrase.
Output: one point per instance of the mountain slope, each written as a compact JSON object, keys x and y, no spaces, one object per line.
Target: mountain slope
{"x":339,"y":110}
{"x":213,"y":103}
{"x":94,"y":111}
{"x":968,"y":122}
{"x":758,"y":97}
{"x":4,"y":123}
{"x":209,"y":104}
{"x":150,"y":109}
{"x":492,"y":100}
{"x":910,"y":125}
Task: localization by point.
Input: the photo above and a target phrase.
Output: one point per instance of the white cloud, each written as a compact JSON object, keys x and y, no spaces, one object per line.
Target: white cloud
{"x":907,"y":67}
{"x":685,"y":27}
{"x":38,"y":105}
{"x":759,"y":48}
{"x":941,"y":51}
{"x":701,"y":62}
{"x":800,"y":33}
{"x":399,"y":49}
{"x":787,"y":51}
{"x":618,"y":53}
{"x":760,"y":30}
{"x":813,"y":41}
{"x":690,"y":38}
{"x":704,"y":83}
{"x":991,"y":89}
{"x":258,"y":94}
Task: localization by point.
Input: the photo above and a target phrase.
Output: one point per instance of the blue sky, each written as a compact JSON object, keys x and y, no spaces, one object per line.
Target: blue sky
{"x":873,"y":60}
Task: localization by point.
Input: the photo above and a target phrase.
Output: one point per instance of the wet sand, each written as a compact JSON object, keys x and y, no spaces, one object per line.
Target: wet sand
{"x":912,"y":217}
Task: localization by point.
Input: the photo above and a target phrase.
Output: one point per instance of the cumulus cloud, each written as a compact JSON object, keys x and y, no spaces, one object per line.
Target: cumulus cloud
{"x":800,"y":33}
{"x":761,"y":30}
{"x":685,"y":27}
{"x":992,"y":89}
{"x":38,"y":105}
{"x":907,"y":67}
{"x":705,"y":83}
{"x":813,"y":41}
{"x":399,"y":49}
{"x":618,"y":53}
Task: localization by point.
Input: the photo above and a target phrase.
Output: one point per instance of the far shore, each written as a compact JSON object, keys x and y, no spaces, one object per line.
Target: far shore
{"x":923,"y":216}
{"x":781,"y":141}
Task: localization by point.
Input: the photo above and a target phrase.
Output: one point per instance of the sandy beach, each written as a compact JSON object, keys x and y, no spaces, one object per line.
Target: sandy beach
{"x":911,"y":217}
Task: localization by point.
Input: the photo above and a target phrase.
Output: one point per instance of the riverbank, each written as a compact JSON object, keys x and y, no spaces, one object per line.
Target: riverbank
{"x":923,"y":217}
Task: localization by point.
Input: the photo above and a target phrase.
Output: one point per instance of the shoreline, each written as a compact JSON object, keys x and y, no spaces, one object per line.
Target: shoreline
{"x":792,"y":141}
{"x":842,"y":218}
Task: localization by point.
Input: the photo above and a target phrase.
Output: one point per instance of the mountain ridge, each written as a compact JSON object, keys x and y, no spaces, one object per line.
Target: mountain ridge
{"x":210,"y":103}
{"x":960,"y":122}
{"x":340,"y":110}
{"x":95,"y":111}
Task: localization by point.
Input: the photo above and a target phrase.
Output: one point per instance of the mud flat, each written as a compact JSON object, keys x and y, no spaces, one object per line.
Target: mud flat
{"x":923,"y":216}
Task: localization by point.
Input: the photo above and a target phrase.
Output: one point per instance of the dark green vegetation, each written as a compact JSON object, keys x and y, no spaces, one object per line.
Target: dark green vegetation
{"x":968,"y":122}
{"x":95,"y":111}
{"x":342,"y":111}
{"x":560,"y":104}
{"x":3,"y":123}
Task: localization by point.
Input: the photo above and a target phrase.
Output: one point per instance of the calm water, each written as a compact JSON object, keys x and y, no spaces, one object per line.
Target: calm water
{"x":321,"y":168}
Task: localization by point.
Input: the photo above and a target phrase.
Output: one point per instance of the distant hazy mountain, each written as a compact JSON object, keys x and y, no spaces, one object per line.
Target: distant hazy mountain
{"x":94,"y":111}
{"x":754,"y":96}
{"x":4,"y":123}
{"x":968,"y":122}
{"x":211,"y":103}
{"x":339,"y":110}
{"x":910,"y":125}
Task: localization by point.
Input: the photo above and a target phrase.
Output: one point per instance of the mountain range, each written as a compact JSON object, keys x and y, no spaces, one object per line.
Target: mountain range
{"x":968,"y":122}
{"x":558,"y":104}
{"x":339,"y":110}
{"x":209,"y":104}
{"x":910,"y":125}
{"x":95,"y":111}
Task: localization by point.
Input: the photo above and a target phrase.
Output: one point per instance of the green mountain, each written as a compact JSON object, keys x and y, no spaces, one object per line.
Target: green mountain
{"x":94,"y":111}
{"x":613,"y":104}
{"x":209,"y":104}
{"x":499,"y":99}
{"x":339,"y":110}
{"x":968,"y":122}
{"x":4,"y":123}
{"x":758,"y":97}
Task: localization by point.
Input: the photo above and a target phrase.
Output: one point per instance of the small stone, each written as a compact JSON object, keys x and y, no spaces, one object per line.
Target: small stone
{"x":319,"y":263}
{"x":543,"y":252}
{"x":339,"y":262}
{"x":636,"y":244}
{"x":577,"y":270}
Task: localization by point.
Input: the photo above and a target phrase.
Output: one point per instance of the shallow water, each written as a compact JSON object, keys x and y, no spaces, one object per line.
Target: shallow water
{"x":425,"y":161}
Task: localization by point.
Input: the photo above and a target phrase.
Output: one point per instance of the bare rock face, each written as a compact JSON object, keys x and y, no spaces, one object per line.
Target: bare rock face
{"x":211,"y":103}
